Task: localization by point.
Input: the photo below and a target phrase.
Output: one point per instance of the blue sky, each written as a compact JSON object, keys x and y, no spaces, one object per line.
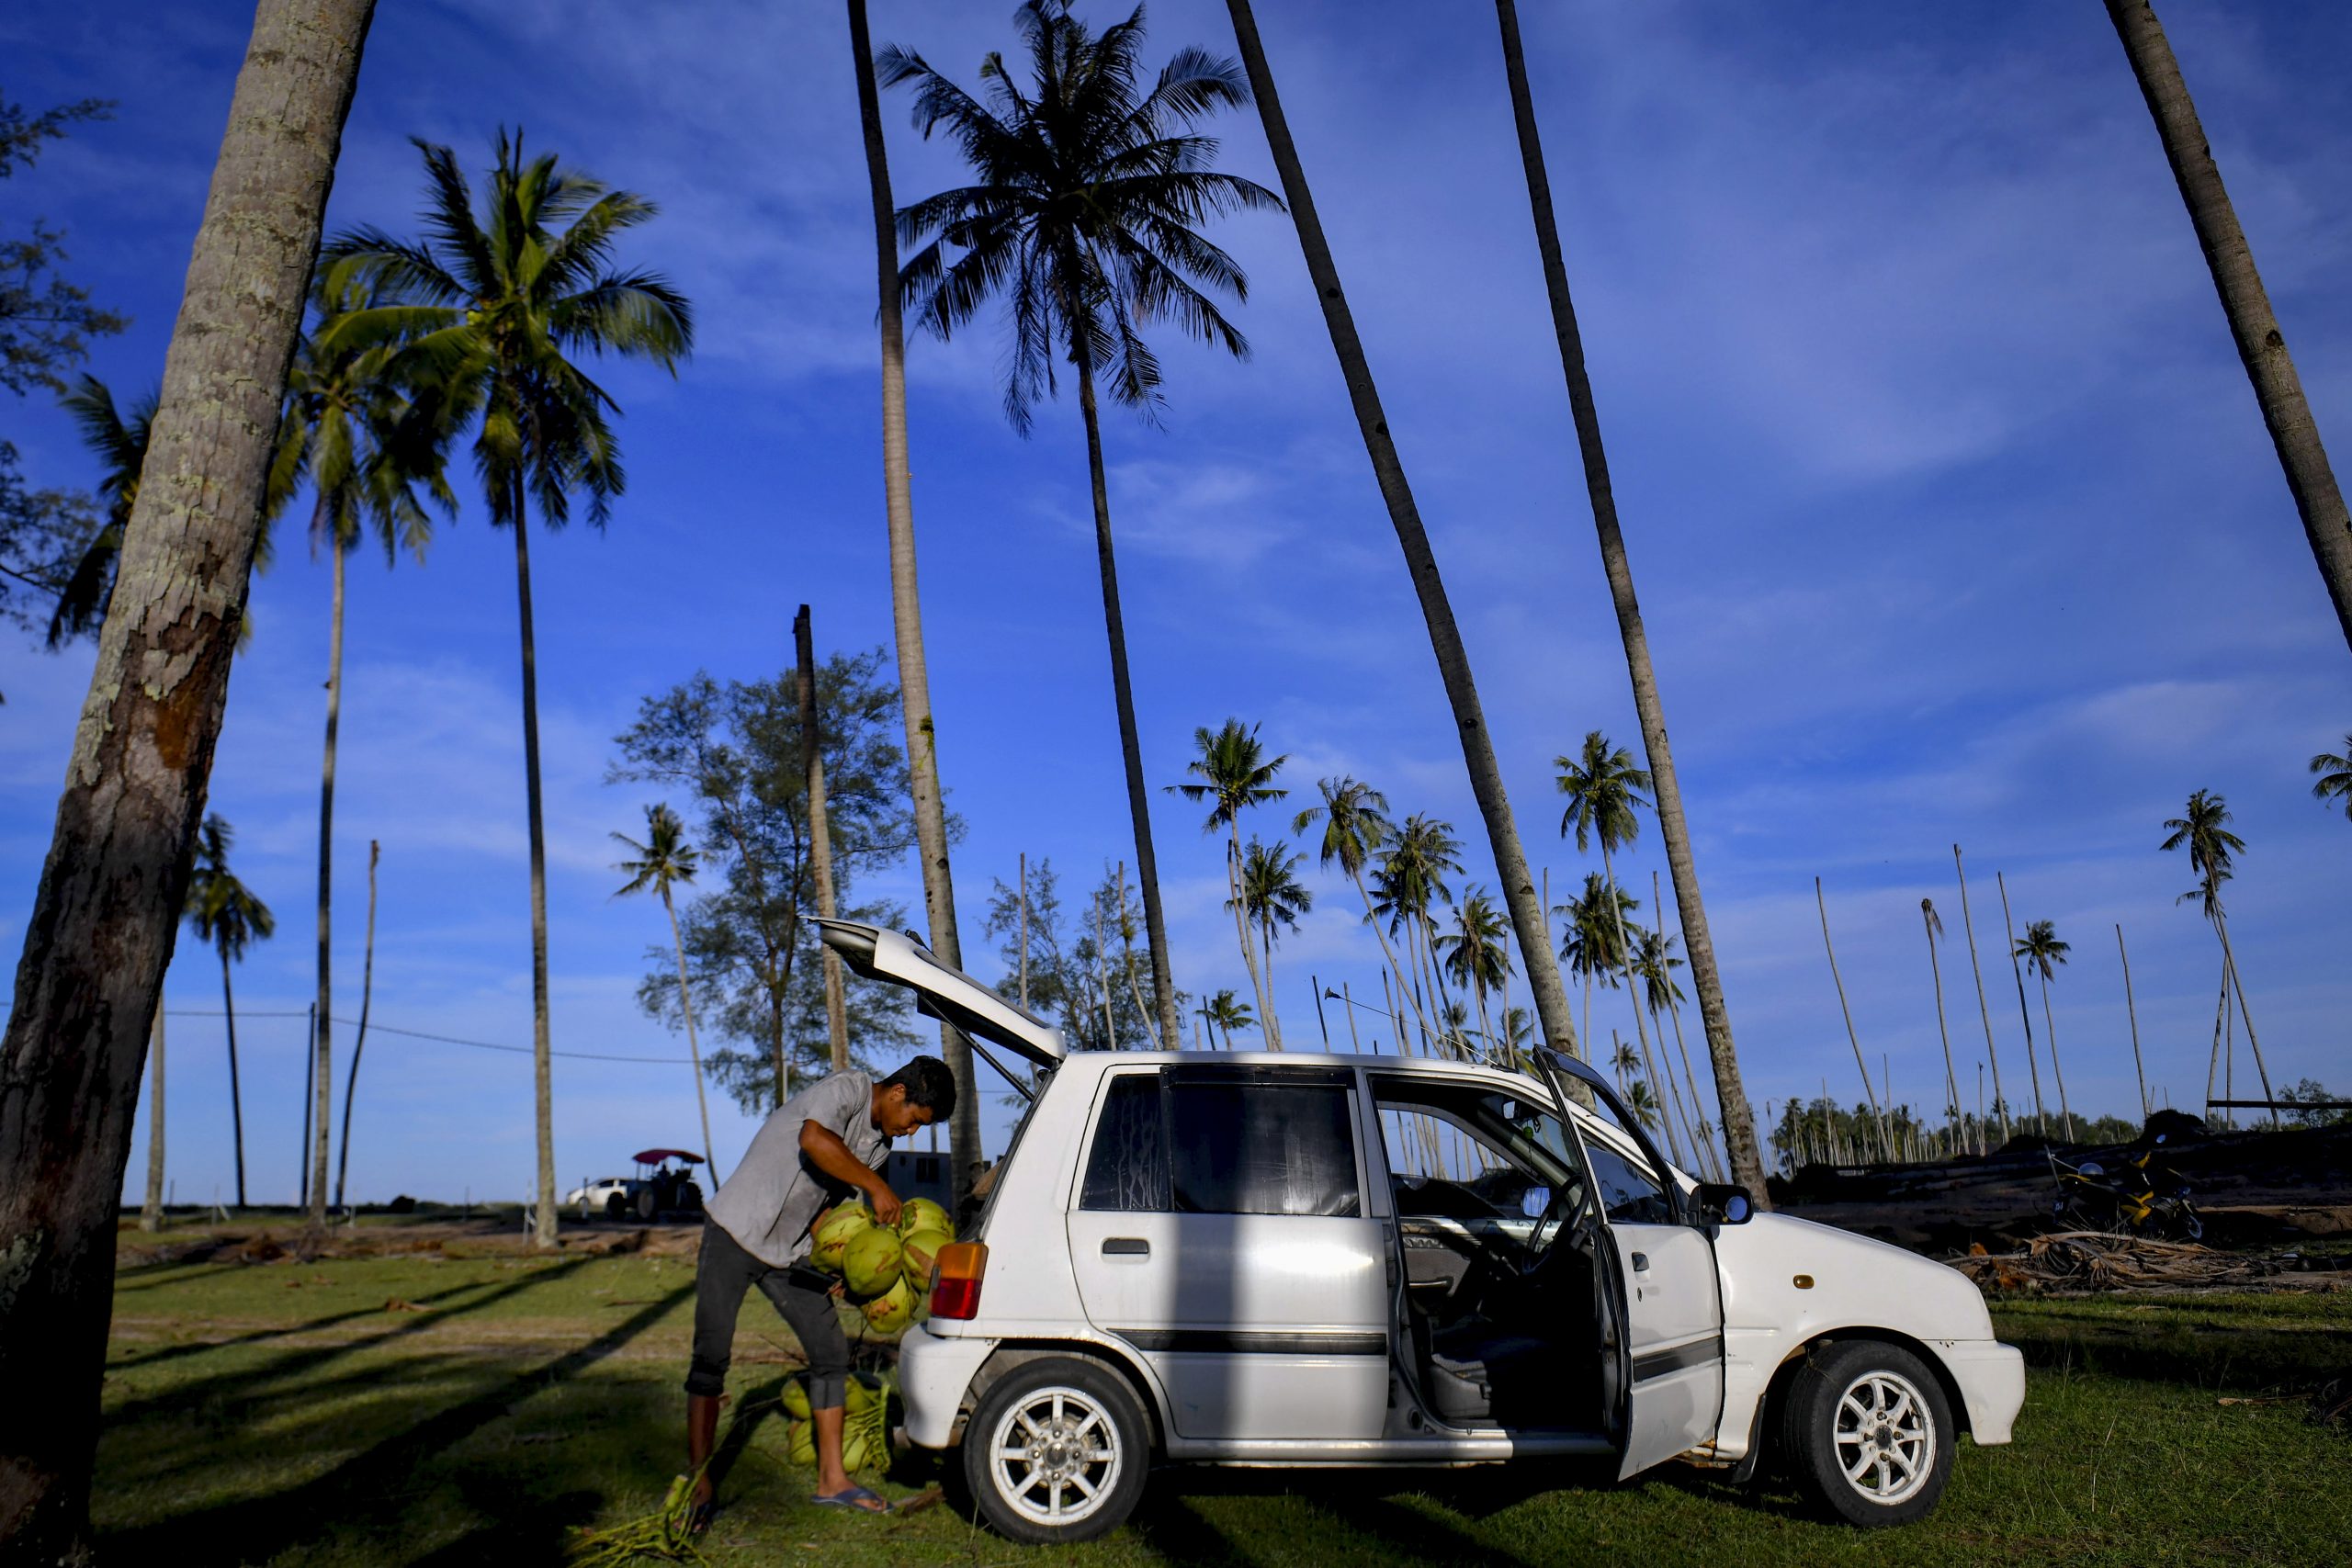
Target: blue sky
{"x":1951,"y":509}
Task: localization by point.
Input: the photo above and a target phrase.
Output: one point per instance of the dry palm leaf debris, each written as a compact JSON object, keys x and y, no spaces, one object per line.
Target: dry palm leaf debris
{"x":2093,"y":1260}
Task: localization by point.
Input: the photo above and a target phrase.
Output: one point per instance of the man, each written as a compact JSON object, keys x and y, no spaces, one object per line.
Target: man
{"x":823,"y":1145}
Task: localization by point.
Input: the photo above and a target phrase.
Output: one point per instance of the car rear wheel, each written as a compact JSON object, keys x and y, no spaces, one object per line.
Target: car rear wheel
{"x":1868,"y":1433}
{"x":1056,"y":1451}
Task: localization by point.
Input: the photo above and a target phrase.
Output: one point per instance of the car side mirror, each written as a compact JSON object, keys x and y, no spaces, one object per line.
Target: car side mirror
{"x":1726,"y":1202}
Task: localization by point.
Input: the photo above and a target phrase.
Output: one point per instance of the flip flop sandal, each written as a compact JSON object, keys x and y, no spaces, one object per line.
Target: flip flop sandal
{"x":699,"y":1517}
{"x":856,"y":1497}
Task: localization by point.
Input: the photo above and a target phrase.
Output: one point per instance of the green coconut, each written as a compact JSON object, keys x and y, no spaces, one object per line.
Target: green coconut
{"x":800,"y":1442}
{"x":893,"y":1310}
{"x":795,"y":1398}
{"x":920,"y":1251}
{"x":870,"y":1262}
{"x":922,"y":1214}
{"x":863,"y":1389}
{"x":835,"y":1232}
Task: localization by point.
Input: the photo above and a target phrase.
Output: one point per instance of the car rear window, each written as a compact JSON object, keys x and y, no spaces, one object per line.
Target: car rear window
{"x":1214,"y":1142}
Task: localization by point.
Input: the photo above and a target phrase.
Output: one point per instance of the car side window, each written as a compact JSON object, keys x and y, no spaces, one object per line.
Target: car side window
{"x":1263,"y":1147}
{"x":1127,"y":1167}
{"x":1628,"y":1193}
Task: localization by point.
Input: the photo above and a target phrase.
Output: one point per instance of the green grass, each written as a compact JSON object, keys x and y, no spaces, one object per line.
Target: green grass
{"x":280,"y":1414}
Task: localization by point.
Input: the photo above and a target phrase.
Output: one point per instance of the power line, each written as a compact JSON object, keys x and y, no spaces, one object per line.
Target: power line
{"x":443,"y":1039}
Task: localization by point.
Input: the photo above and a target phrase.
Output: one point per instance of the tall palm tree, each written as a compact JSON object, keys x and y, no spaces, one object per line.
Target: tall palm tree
{"x":2335,"y":772}
{"x":1934,"y":927}
{"x":1089,"y":197}
{"x":1270,"y":895}
{"x":1409,"y":882}
{"x":1983,"y":1007}
{"x":365,"y":424}
{"x":1527,"y":917}
{"x":2262,"y":348}
{"x":663,"y":862}
{"x":1235,"y":774}
{"x":2204,"y":831}
{"x":1642,"y":1102}
{"x":2041,"y":951}
{"x":1738,"y":1124}
{"x":1593,"y":946}
{"x":507,"y":295}
{"x":1654,"y":964}
{"x":1355,"y":827}
{"x":1603,"y":790}
{"x":224,"y":912}
{"x":118,"y":441}
{"x":1477,"y":956}
{"x":1627,"y":1061}
{"x":2025,"y":1018}
{"x":906,"y":618}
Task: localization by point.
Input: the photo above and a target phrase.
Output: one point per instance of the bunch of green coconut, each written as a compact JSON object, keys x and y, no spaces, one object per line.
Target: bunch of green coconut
{"x":865,"y":1423}
{"x":886,"y":1269}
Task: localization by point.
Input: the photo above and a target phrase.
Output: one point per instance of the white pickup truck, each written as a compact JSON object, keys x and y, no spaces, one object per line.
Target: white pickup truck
{"x":1290,"y":1259}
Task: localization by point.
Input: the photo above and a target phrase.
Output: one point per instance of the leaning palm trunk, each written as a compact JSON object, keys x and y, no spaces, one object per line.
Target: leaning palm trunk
{"x":2041,"y":1118}
{"x":1240,"y":923}
{"x":1983,"y":1007}
{"x":543,"y":1082}
{"x":1632,"y":984}
{"x":360,"y":1041}
{"x":694,"y":1050}
{"x":1951,"y":1080}
{"x":2050,"y":1030}
{"x":236,"y":1105}
{"x":906,"y":617}
{"x":1698,"y":944}
{"x":2230,"y":968}
{"x":2261,"y":346}
{"x":2132,"y":1010}
{"x":150,"y":1213}
{"x":1387,"y":954}
{"x":1446,"y":635}
{"x":1869,"y":1089}
{"x":821,"y":851}
{"x":322,"y":1038}
{"x":101,"y":931}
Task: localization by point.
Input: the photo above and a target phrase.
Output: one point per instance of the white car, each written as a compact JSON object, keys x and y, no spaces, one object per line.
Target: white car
{"x":1281,"y":1257}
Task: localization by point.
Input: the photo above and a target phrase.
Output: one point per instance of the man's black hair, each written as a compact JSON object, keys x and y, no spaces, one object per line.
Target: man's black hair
{"x":929,"y":1085}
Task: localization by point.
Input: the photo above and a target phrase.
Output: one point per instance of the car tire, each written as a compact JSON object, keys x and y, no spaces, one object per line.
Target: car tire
{"x":1867,"y":1433}
{"x":645,"y":1203}
{"x":1056,"y":1451}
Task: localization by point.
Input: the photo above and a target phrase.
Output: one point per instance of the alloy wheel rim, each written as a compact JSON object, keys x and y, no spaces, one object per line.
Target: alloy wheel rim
{"x":1884,"y":1437}
{"x":1055,"y":1456}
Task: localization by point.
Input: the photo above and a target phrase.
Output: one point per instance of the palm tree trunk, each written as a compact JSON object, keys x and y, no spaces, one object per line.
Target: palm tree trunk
{"x":1951,"y":1079}
{"x":1266,"y":930}
{"x":1445,"y":637}
{"x":322,"y":1039}
{"x":236,"y":1105}
{"x":367,"y":996}
{"x":1387,"y":953}
{"x":2050,"y":1028}
{"x":1869,"y":1091}
{"x":694,"y":1050}
{"x":1698,"y":944}
{"x":1983,"y":1007}
{"x":906,"y":616}
{"x":1126,"y":950}
{"x":2131,"y":1009}
{"x":2261,"y":346}
{"x":2230,"y":963}
{"x":2213,"y":1062}
{"x":543,"y":1081}
{"x":821,"y":845}
{"x":1266,"y":1021}
{"x":101,"y":931}
{"x":2041,"y":1118}
{"x":1632,"y":987}
{"x":150,"y":1213}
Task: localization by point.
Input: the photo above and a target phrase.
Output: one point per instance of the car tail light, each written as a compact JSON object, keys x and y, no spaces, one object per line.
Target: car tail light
{"x":956,"y":1279}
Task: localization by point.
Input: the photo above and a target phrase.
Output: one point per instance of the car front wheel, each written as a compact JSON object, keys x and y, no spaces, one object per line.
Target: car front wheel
{"x":1868,"y":1433}
{"x":1056,"y":1451}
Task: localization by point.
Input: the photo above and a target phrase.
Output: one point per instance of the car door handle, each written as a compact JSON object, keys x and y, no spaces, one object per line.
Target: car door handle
{"x":1641,"y":1263}
{"x":1125,"y":1246}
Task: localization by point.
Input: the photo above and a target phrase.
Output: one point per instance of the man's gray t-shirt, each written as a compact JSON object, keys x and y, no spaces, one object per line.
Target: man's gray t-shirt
{"x":778,"y":1191}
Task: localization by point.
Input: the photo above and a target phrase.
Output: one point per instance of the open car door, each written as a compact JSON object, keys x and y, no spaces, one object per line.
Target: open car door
{"x":944,"y":993}
{"x":1660,"y":1268}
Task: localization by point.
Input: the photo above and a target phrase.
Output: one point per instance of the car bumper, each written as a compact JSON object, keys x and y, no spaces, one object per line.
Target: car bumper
{"x":1992,"y":1385}
{"x":934,"y":1374}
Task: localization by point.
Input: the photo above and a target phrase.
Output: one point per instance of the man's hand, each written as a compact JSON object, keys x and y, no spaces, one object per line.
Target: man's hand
{"x":886,"y":1202}
{"x":829,"y":1154}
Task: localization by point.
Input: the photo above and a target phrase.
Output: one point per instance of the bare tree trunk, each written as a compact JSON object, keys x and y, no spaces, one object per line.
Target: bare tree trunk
{"x":237,"y":1106}
{"x":1951,"y":1078}
{"x":821,"y":840}
{"x":1983,"y":1007}
{"x":2213,"y":1063}
{"x":1869,"y":1089}
{"x":1241,"y":933}
{"x":322,"y":1038}
{"x":150,"y":1215}
{"x":1698,"y":944}
{"x":1632,"y":986}
{"x":1387,"y":953}
{"x":2050,"y":1028}
{"x":1127,"y":947}
{"x":2132,"y":1009}
{"x":2261,"y":346}
{"x":694,"y":1050}
{"x":100,"y":932}
{"x":1675,"y":1015}
{"x":367,"y":996}
{"x":542,"y":1061}
{"x":1446,"y":635}
{"x":2222,"y":924}
{"x":2041,"y":1118}
{"x":906,"y":616}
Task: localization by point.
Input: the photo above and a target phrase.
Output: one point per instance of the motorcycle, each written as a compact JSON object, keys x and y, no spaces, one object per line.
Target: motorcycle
{"x":2132,"y":1195}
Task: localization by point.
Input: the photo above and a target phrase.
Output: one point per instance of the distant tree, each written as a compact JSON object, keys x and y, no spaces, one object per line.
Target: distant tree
{"x":1089,"y":195}
{"x":664,"y":862}
{"x":1070,"y":971}
{"x":1354,"y":817}
{"x":1272,"y":897}
{"x":44,"y":535}
{"x":1934,"y":924}
{"x":224,"y":912}
{"x":2203,"y":831}
{"x":1408,"y":888}
{"x":2312,"y":1093}
{"x":1593,"y":947}
{"x":1228,"y":1012}
{"x":1476,"y":954}
{"x":508,"y":295}
{"x":2335,"y":772}
{"x":1235,"y":774}
{"x":120,"y":444}
{"x":2041,"y":951}
{"x":45,"y":322}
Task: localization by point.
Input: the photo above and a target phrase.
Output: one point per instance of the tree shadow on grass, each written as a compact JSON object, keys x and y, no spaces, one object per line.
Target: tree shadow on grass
{"x":372,"y":1493}
{"x":1360,"y":1516}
